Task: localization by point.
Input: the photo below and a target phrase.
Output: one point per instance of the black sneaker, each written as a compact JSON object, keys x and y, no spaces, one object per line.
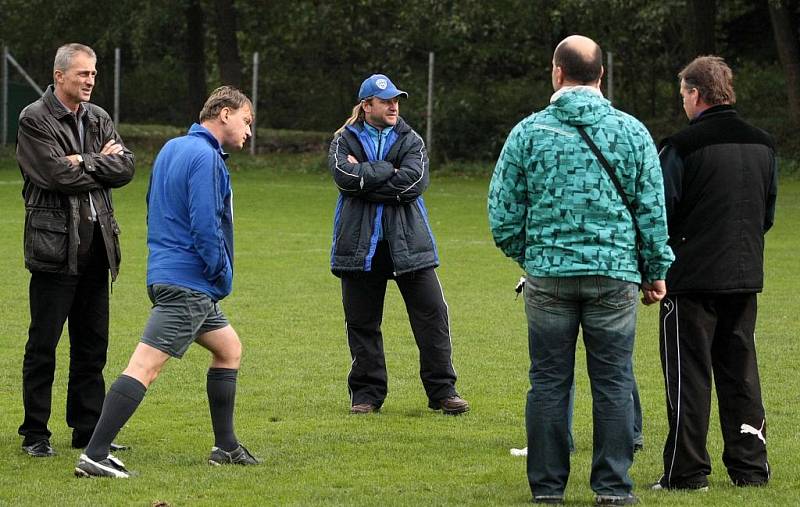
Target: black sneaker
{"x":109,"y":467}
{"x":238,"y":456}
{"x":701,"y":488}
{"x":548,"y":499}
{"x":616,"y":500}
{"x":39,"y":449}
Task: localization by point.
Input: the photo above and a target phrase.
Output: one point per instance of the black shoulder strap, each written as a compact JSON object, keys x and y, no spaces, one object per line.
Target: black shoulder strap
{"x":612,"y":175}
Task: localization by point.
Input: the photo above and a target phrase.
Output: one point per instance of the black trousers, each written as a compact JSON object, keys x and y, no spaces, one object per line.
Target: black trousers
{"x":704,"y":335}
{"x":363,"y":297}
{"x":83,"y":301}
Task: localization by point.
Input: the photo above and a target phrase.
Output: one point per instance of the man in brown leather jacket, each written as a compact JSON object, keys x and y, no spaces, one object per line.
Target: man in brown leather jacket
{"x":71,"y":157}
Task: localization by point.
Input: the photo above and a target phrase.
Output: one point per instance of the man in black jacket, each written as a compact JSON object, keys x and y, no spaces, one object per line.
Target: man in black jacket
{"x":71,"y":157}
{"x":720,"y":181}
{"x":381,"y":232}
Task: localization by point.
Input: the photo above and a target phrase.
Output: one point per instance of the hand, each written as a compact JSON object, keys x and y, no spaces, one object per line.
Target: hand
{"x":73,"y":159}
{"x":111,"y":148}
{"x":653,"y":292}
{"x":352,"y":159}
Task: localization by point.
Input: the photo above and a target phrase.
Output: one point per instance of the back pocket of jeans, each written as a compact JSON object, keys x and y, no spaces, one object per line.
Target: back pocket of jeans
{"x":539,"y":294}
{"x":620,"y":295}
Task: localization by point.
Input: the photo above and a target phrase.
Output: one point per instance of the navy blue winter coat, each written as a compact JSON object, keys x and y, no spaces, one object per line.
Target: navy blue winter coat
{"x":373,"y":193}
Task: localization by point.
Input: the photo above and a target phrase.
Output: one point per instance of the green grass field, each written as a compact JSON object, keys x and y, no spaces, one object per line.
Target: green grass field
{"x":292,"y":405}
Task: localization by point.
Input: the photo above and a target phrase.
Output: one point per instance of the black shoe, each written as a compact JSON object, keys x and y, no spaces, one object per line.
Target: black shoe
{"x":741,"y":483}
{"x":238,"y":456}
{"x":616,"y":500}
{"x":118,"y":447}
{"x":699,"y":487}
{"x":109,"y":467}
{"x":39,"y":449}
{"x":548,"y":499}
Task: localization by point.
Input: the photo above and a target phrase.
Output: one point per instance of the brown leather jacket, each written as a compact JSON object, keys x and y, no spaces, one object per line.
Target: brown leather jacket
{"x":53,"y":188}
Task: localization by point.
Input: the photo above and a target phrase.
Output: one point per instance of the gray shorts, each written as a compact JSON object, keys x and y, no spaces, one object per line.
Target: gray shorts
{"x":178,"y":317}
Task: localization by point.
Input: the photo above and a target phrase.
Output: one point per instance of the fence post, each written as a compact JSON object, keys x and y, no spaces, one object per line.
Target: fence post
{"x":429,"y":129}
{"x":5,"y":96}
{"x":255,"y":104}
{"x":117,"y":66}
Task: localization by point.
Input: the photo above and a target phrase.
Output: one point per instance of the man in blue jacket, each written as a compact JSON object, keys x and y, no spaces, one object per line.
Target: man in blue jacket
{"x":381,"y":232}
{"x":556,"y":212}
{"x":189,"y":270}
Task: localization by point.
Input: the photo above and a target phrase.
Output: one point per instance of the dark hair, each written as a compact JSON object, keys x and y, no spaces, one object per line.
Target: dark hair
{"x":222,"y":97}
{"x":575,"y":66}
{"x":713,"y":79}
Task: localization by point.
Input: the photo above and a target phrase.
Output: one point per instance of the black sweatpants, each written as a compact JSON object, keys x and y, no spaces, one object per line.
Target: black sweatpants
{"x":83,"y":301}
{"x":701,"y":335}
{"x":363,"y":296}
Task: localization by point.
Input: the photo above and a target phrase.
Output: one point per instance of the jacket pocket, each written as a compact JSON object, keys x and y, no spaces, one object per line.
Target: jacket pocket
{"x":47,"y":236}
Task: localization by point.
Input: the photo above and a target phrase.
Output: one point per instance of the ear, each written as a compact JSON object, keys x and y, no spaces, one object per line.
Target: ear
{"x":602,"y":73}
{"x":558,"y":75}
{"x":224,"y":113}
{"x":58,"y":76}
{"x":366,"y":105}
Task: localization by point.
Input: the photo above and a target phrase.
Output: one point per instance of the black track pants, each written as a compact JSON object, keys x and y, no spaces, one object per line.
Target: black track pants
{"x":701,"y":336}
{"x":363,"y":296}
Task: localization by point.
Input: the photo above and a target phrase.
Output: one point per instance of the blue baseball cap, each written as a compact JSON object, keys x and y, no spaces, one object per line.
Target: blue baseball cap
{"x":378,"y":85}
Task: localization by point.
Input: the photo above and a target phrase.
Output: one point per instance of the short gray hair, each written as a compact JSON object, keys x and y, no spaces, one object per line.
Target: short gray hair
{"x":67,"y":52}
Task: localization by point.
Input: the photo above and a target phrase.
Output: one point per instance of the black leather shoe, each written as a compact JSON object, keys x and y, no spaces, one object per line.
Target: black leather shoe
{"x":118,"y":447}
{"x":39,"y":449}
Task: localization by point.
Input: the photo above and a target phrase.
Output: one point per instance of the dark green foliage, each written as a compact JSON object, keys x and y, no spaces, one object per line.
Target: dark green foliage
{"x":492,"y":58}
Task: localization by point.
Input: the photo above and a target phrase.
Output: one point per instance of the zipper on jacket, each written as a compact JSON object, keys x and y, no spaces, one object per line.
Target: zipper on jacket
{"x":389,"y":246}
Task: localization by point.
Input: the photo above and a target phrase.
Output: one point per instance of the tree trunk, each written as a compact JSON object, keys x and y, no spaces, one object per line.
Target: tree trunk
{"x":195,"y":56}
{"x":230,"y":64}
{"x":785,"y":30}
{"x":703,"y":33}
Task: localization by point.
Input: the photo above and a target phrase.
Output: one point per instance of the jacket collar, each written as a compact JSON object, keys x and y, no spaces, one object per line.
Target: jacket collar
{"x":400,"y":127}
{"x":58,"y":110}
{"x":200,"y":131}
{"x":719,"y":111}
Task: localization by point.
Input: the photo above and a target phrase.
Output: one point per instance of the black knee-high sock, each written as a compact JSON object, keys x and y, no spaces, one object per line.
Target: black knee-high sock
{"x":121,"y":402}
{"x":221,"y":388}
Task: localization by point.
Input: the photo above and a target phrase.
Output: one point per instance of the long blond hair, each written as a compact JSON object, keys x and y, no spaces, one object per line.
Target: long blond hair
{"x":357,"y":115}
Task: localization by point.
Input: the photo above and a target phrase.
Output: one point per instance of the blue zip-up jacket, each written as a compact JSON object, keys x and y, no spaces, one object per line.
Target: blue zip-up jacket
{"x":381,"y":142}
{"x":372,"y":193}
{"x":190,"y":216}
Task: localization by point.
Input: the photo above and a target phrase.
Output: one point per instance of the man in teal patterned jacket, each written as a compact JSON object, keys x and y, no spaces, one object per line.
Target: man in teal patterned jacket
{"x":554,"y":210}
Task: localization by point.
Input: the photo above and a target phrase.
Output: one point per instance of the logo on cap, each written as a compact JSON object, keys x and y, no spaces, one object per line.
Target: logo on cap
{"x":381,"y":83}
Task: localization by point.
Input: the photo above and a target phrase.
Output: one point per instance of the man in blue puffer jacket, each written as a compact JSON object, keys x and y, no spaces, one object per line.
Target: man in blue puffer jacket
{"x":381,"y":232}
{"x":189,"y":269}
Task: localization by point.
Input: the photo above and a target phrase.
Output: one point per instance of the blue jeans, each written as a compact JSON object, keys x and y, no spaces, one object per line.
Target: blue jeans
{"x":605,"y":309}
{"x":638,"y":436}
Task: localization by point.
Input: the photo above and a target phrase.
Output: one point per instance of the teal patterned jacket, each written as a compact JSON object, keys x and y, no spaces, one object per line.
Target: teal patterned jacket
{"x":554,"y":210}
